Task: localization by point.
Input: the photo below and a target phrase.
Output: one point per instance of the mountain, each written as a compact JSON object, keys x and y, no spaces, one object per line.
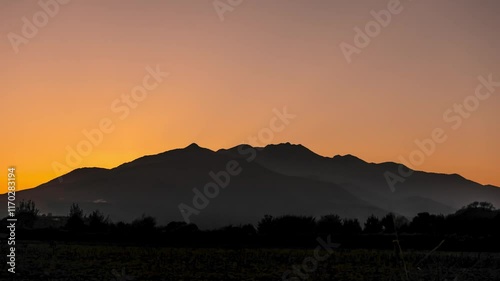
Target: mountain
{"x":245,"y":183}
{"x":421,"y":191}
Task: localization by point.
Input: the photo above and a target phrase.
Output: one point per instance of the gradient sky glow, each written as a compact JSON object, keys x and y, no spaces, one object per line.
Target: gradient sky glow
{"x":227,"y":76}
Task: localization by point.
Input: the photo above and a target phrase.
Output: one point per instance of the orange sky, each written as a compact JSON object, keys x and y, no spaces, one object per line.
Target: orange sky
{"x":227,"y":76}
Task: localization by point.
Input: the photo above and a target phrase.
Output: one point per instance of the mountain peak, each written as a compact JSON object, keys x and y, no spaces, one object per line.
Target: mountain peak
{"x":286,"y":145}
{"x":348,"y":158}
{"x":193,"y":146}
{"x":296,"y":151}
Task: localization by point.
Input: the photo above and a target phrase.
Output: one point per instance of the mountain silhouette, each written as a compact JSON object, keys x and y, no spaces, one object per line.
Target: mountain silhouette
{"x":277,"y":179}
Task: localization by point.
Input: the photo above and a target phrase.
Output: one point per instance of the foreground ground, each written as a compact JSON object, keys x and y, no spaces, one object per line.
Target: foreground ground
{"x":90,"y":262}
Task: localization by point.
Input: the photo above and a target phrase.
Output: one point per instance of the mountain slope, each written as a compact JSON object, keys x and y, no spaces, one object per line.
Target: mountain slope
{"x":437,"y":193}
{"x":157,"y":184}
{"x":276,"y":179}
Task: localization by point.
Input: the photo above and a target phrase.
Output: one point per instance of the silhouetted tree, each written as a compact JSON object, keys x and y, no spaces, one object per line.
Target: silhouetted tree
{"x":26,"y":214}
{"x":265,"y":225}
{"x":145,"y":223}
{"x":402,"y":224}
{"x":75,"y":220}
{"x":487,"y":206}
{"x":287,"y":225}
{"x":427,"y":223}
{"x":97,"y":221}
{"x":248,"y":229}
{"x":239,"y":231}
{"x":388,"y":223}
{"x":392,"y":223}
{"x":475,"y":218}
{"x":351,"y":226}
{"x":181,"y":227}
{"x":330,"y":224}
{"x":496,"y":224}
{"x":479,"y":205}
{"x":373,"y":225}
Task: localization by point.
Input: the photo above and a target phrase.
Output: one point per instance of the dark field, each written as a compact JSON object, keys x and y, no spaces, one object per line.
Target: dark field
{"x":88,"y":262}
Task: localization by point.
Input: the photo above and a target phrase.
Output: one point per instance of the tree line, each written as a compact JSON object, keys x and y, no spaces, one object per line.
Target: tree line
{"x":472,"y":227}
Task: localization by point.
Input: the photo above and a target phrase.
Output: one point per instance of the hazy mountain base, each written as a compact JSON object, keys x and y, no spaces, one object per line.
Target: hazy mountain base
{"x":99,"y":262}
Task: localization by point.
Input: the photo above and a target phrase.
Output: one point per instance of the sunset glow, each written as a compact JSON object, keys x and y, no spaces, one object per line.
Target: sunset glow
{"x":226,"y":77}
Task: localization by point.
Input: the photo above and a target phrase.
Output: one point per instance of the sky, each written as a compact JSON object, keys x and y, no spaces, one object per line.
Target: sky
{"x":217,"y":71}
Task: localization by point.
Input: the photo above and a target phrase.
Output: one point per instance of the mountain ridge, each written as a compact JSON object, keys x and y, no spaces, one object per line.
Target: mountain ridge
{"x":223,"y":150}
{"x":276,"y":179}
